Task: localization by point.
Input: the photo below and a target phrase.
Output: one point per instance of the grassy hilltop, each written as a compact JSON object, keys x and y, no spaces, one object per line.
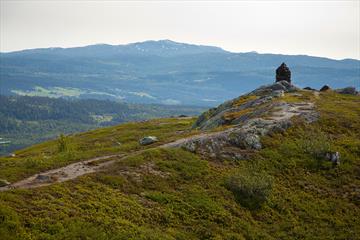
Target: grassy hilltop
{"x":285,"y":190}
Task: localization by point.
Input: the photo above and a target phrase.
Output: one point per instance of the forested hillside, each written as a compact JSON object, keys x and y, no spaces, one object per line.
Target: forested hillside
{"x":27,"y":120}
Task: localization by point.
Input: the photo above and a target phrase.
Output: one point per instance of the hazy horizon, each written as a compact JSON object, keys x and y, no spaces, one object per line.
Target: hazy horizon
{"x":182,"y":43}
{"x":328,"y":29}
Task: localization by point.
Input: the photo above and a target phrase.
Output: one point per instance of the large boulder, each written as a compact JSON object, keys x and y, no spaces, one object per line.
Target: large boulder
{"x":148,"y":140}
{"x":325,"y":88}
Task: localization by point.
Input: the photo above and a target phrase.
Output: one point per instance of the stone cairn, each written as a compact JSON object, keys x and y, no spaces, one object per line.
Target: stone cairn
{"x":283,"y":73}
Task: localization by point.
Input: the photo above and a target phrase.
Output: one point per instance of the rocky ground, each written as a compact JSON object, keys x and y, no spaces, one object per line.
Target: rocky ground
{"x":246,"y":119}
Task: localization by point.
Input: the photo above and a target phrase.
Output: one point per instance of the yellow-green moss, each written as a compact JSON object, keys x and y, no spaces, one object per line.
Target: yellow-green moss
{"x":244,"y":99}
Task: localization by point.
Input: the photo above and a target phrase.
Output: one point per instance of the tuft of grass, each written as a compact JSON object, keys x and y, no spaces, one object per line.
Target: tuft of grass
{"x":250,"y":189}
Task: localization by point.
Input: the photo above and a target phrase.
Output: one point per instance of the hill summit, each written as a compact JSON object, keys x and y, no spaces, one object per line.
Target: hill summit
{"x":269,"y":164}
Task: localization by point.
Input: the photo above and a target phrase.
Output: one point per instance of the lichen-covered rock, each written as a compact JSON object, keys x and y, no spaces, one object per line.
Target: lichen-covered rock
{"x":216,"y":117}
{"x":244,"y":136}
{"x":268,"y":89}
{"x":148,"y":140}
{"x":248,"y":118}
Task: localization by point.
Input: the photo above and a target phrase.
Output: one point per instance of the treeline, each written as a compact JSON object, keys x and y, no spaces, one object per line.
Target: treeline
{"x":27,"y":120}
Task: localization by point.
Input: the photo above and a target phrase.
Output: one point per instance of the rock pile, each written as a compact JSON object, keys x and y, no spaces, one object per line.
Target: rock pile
{"x":283,"y":73}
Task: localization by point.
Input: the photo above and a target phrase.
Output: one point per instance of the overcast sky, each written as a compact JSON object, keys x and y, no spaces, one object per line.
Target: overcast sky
{"x":319,"y":28}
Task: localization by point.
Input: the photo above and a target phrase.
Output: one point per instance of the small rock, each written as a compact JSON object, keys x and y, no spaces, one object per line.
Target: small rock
{"x":148,"y":140}
{"x":278,"y":93}
{"x":12,"y":155}
{"x":334,"y":157}
{"x":296,"y":94}
{"x":309,"y":88}
{"x":43,"y":178}
{"x":4,"y":183}
{"x":182,"y":116}
{"x":325,"y":88}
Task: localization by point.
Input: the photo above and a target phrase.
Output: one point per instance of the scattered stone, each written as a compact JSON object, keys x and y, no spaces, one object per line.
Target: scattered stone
{"x":278,"y":93}
{"x":347,"y":90}
{"x":4,"y":183}
{"x":334,"y":157}
{"x":148,"y":140}
{"x":12,"y":155}
{"x":325,"y":88}
{"x":283,"y":73}
{"x":296,"y":94}
{"x":43,"y":178}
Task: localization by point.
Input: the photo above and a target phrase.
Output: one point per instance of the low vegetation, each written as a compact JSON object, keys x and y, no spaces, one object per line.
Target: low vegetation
{"x":280,"y":193}
{"x":250,"y":188}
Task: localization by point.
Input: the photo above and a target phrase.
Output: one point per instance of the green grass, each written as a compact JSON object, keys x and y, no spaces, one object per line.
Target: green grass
{"x":174,"y":194}
{"x":112,"y":140}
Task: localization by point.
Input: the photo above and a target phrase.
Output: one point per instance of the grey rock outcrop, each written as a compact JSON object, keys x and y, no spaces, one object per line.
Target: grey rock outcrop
{"x":248,"y":118}
{"x":215,"y":117}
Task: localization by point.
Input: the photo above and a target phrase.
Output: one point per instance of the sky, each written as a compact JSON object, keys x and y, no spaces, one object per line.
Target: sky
{"x":319,"y":28}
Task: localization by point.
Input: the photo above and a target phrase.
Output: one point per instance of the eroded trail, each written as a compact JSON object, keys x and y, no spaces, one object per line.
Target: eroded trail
{"x":66,"y":173}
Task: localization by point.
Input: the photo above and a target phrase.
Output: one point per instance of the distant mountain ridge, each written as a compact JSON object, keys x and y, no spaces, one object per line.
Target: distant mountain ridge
{"x":164,"y":71}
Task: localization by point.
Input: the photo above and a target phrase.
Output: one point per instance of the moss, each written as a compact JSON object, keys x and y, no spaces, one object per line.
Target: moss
{"x":230,"y":116}
{"x":243,"y":99}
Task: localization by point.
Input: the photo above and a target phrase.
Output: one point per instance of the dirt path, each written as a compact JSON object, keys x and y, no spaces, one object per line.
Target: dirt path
{"x":63,"y":174}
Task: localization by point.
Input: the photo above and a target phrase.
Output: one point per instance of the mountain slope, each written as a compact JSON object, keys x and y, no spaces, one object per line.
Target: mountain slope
{"x":144,"y":72}
{"x":280,"y":191}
